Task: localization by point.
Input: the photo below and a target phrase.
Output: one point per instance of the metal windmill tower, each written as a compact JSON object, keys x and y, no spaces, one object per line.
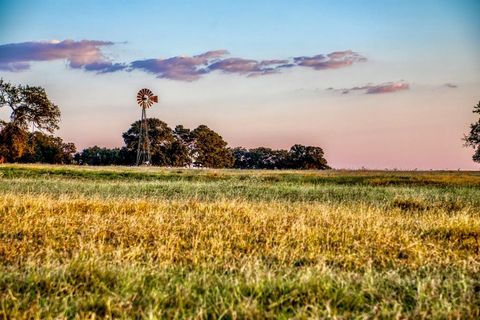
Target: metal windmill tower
{"x":145,"y":99}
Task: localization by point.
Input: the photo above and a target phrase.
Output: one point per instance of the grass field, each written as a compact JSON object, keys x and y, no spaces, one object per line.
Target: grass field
{"x":177,"y":243}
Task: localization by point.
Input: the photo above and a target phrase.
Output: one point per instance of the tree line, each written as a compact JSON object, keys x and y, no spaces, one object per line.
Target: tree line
{"x":28,"y":138}
{"x":200,"y":147}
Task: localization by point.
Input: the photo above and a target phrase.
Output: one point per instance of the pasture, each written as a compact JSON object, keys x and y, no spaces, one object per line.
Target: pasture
{"x":123,"y":242}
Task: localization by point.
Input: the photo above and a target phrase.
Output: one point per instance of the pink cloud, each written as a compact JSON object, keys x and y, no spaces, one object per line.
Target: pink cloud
{"x":387,"y":87}
{"x":79,"y":54}
{"x":87,"y":55}
{"x":334,"y":60}
{"x":192,"y":68}
{"x":181,"y":67}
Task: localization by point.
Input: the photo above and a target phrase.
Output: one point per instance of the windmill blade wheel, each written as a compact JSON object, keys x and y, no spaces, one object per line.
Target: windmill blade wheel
{"x":145,"y":98}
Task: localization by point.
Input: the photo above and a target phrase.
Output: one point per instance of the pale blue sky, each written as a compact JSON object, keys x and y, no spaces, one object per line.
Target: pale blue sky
{"x":257,"y":28}
{"x":425,"y":44}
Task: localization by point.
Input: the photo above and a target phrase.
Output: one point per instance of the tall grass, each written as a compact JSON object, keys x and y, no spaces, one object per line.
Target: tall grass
{"x":77,"y":242}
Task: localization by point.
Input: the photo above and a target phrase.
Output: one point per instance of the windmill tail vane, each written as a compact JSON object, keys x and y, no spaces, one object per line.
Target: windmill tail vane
{"x":145,"y":99}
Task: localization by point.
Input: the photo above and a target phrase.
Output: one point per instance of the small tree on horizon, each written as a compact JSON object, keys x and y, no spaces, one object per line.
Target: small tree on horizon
{"x":473,"y":138}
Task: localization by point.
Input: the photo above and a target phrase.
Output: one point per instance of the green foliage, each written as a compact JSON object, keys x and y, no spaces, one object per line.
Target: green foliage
{"x":180,"y":147}
{"x":13,"y":142}
{"x":19,"y":145}
{"x":165,"y":147}
{"x":473,"y":138}
{"x":29,"y":106}
{"x":97,"y":156}
{"x":261,"y":158}
{"x":209,"y":149}
{"x":303,"y":157}
{"x":299,"y":157}
{"x":43,"y":148}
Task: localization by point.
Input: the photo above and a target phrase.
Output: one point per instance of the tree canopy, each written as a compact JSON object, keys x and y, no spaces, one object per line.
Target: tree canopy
{"x":48,"y":149}
{"x":160,"y":137}
{"x":473,"y":137}
{"x":200,"y":147}
{"x":29,"y":106}
{"x":209,"y":149}
{"x":31,"y":109}
{"x":298,"y":157}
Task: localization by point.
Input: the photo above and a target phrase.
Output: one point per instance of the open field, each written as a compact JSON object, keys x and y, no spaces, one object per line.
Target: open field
{"x":179,"y":243}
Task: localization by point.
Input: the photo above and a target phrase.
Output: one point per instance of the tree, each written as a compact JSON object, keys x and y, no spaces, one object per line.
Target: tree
{"x":473,"y":138}
{"x":241,"y":158}
{"x":161,"y":138}
{"x":209,"y":149}
{"x":307,"y":157}
{"x":97,"y":156}
{"x":260,"y":158}
{"x":29,"y":106}
{"x":182,"y":148}
{"x":178,"y":154}
{"x":48,"y":149}
{"x":299,"y":157}
{"x":13,"y":142}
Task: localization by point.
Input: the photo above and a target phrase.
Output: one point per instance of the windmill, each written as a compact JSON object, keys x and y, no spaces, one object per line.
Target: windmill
{"x":145,"y":99}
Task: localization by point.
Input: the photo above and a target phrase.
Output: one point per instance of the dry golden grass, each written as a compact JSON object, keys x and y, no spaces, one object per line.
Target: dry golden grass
{"x":382,"y":253}
{"x":39,"y":229}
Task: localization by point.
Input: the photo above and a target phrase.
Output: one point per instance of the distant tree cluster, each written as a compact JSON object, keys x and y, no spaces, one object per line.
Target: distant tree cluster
{"x":201,"y":147}
{"x":23,"y":138}
{"x":180,"y":147}
{"x":298,"y":157}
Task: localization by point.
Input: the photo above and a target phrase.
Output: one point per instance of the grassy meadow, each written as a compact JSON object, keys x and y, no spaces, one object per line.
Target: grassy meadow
{"x":118,"y":242}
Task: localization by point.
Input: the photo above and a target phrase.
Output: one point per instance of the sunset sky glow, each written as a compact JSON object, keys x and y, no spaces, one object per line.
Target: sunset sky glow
{"x":377,"y":84}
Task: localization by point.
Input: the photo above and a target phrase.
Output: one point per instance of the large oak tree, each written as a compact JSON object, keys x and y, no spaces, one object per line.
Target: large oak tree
{"x":29,"y":107}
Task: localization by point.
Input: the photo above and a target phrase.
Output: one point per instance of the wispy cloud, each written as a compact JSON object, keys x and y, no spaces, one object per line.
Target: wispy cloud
{"x":334,"y":60}
{"x":79,"y":54}
{"x":387,"y":87}
{"x":180,"y":67}
{"x":192,"y":68}
{"x":87,"y":55}
{"x":451,"y":85}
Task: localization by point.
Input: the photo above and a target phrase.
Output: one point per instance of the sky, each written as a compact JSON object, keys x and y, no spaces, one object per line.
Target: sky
{"x":379,"y":84}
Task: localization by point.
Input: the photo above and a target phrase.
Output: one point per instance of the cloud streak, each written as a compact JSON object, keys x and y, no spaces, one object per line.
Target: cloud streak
{"x":451,"y":85}
{"x":84,"y":54}
{"x":88,"y":55}
{"x":387,"y":87}
{"x":192,"y":68}
{"x":334,"y":60}
{"x":180,"y":67}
